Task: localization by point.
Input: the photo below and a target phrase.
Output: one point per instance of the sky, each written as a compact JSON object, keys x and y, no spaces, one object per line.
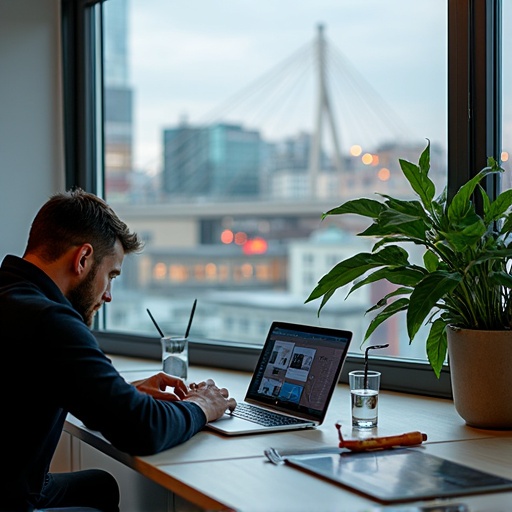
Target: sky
{"x":192,"y":59}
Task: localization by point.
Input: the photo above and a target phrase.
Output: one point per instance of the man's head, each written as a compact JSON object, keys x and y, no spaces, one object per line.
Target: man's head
{"x":75,"y":217}
{"x":79,"y":241}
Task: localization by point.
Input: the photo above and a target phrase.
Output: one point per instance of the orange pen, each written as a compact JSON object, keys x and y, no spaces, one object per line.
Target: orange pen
{"x":380,"y":443}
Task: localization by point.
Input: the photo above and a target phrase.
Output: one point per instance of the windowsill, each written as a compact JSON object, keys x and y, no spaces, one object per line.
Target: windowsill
{"x":406,"y":376}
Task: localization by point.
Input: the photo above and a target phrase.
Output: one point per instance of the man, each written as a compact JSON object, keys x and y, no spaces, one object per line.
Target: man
{"x":52,"y":364}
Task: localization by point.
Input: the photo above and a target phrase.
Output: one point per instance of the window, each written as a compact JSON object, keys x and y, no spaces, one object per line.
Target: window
{"x":229,"y":129}
{"x":506,"y":155}
{"x":227,"y":134}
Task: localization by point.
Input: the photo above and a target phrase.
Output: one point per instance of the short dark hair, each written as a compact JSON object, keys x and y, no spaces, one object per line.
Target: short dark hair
{"x":76,"y":217}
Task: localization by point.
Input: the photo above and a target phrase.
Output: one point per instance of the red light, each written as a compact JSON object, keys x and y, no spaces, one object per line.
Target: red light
{"x":255,"y":246}
{"x":227,"y":236}
{"x":240,"y":238}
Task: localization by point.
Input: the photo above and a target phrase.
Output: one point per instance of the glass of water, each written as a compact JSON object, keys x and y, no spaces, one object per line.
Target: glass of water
{"x":364,"y":394}
{"x":175,"y":356}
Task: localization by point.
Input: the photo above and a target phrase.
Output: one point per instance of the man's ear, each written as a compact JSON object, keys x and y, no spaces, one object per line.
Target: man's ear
{"x":83,"y":259}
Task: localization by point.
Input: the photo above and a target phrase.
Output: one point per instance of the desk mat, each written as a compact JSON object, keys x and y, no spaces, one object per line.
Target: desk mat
{"x":399,"y":475}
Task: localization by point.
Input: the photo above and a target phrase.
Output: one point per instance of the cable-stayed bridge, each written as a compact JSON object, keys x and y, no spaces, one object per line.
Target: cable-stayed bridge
{"x":292,"y":129}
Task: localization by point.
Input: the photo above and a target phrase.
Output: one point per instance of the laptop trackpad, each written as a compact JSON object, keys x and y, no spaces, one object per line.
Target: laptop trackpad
{"x":231,"y":425}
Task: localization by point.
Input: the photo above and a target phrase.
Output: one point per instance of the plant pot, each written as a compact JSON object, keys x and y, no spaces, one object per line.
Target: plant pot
{"x":481,"y":376}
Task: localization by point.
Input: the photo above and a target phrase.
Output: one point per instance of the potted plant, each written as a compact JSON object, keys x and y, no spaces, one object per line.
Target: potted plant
{"x":463,"y":286}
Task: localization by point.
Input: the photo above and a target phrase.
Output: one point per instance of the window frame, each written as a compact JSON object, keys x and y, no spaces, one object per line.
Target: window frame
{"x":83,"y":94}
{"x":474,"y":133}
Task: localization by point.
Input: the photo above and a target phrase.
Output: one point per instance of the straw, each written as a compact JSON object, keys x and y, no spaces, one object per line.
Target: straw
{"x":190,"y":319}
{"x":366,"y":362}
{"x":162,"y":335}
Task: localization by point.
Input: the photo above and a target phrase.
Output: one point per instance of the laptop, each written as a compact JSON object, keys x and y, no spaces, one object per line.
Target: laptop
{"x":293,"y":382}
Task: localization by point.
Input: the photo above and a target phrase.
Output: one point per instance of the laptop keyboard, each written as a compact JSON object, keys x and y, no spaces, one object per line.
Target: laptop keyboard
{"x":263,"y":417}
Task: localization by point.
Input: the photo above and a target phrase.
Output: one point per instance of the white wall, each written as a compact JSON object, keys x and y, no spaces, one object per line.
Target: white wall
{"x":31,"y":141}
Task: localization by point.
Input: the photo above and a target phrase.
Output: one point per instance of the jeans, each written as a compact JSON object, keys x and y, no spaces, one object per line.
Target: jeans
{"x":88,"y":488}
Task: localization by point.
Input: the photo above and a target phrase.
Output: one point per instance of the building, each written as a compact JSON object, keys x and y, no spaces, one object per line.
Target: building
{"x":186,"y":166}
{"x":221,"y":160}
{"x":118,"y":103}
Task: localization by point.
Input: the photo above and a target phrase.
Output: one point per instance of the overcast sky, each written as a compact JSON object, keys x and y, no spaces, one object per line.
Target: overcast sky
{"x":190,"y":57}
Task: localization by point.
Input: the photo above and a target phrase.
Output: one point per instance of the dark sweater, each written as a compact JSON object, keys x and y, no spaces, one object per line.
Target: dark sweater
{"x":52,"y":365}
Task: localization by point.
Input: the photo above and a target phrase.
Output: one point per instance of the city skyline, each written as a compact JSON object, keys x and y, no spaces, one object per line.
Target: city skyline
{"x":190,"y":60}
{"x":181,"y":84}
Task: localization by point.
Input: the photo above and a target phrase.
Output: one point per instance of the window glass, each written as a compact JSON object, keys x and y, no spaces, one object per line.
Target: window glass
{"x":230,"y":127}
{"x":506,"y":154}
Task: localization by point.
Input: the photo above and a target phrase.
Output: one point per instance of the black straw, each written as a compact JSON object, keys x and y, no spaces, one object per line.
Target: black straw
{"x":190,"y":319}
{"x":162,"y":335}
{"x":366,"y":362}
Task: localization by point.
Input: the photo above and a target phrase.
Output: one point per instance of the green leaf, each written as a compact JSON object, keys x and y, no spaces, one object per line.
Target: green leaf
{"x":394,"y":223}
{"x":501,"y":278}
{"x":395,"y":307}
{"x":499,"y":206}
{"x":365,"y":207}
{"x":491,"y":162}
{"x":431,"y":261}
{"x":461,"y":202}
{"x":394,"y":239}
{"x":412,"y":208}
{"x":447,"y":254}
{"x":507,"y":225}
{"x":496,"y":254}
{"x":469,"y":236}
{"x":426,"y":295}
{"x":384,"y":301}
{"x":355,"y":266}
{"x":397,"y":223}
{"x":440,"y":201}
{"x":325,"y":298}
{"x":437,"y":346}
{"x":486,"y":202}
{"x":424,"y":162}
{"x":400,"y":275}
{"x":418,"y":177}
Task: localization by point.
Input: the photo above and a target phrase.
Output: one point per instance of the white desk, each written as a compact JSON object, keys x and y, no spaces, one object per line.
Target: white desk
{"x":220,"y":473}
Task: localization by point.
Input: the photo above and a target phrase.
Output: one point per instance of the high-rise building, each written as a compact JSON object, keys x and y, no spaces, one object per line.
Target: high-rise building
{"x":117,"y":102}
{"x":235,"y":157}
{"x":221,"y":160}
{"x":186,"y":168}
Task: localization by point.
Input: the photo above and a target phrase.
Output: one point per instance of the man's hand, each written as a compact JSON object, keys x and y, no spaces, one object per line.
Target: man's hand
{"x":213,"y":401}
{"x":157,"y":384}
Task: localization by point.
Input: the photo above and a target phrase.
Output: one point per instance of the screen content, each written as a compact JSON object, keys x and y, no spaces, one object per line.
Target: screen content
{"x":298,"y":369}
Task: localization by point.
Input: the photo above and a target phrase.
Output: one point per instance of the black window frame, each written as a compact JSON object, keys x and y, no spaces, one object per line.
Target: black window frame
{"x":474,"y":133}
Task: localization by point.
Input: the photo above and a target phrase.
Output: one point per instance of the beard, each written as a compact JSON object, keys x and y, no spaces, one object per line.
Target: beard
{"x":82,"y":297}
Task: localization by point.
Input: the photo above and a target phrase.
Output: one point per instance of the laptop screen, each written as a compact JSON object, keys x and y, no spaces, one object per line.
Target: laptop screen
{"x":298,"y":368}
